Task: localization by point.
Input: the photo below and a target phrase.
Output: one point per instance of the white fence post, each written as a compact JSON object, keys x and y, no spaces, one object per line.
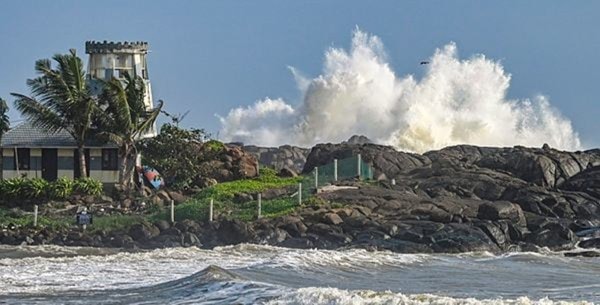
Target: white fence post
{"x":259,"y":206}
{"x":35,"y":215}
{"x":300,"y":193}
{"x":335,"y":175}
{"x":172,"y":211}
{"x":210,"y":210}
{"x":316,"y":177}
{"x":358,"y":164}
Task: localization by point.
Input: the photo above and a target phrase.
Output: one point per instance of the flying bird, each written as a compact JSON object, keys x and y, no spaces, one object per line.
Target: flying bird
{"x":424,"y":62}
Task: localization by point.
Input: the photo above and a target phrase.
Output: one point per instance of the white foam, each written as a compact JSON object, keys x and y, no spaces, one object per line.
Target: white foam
{"x":457,"y":101}
{"x":128,"y":270}
{"x":334,"y":296}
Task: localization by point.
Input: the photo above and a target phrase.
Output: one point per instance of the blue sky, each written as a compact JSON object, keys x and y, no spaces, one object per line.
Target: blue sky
{"x":211,"y":56}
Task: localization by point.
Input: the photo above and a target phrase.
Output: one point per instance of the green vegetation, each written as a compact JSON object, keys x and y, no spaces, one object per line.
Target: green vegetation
{"x":125,"y":120}
{"x":115,"y":222}
{"x":267,"y":179}
{"x":101,"y":223}
{"x":198,"y":209}
{"x":223,"y":195}
{"x":22,"y":219}
{"x":87,"y":186}
{"x":37,"y":189}
{"x":175,"y":153}
{"x":4,"y":119}
{"x":60,"y":99}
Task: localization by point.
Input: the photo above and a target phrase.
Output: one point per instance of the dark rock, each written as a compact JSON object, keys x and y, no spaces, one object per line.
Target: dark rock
{"x":554,"y":235}
{"x":356,"y":139}
{"x":162,"y":225}
{"x":234,"y":231}
{"x":287,"y":172}
{"x":190,"y":239}
{"x":177,"y":196}
{"x":167,"y":241}
{"x":582,"y":254}
{"x":386,"y":161}
{"x":332,"y":218}
{"x":143,"y":231}
{"x":590,"y":243}
{"x":279,"y":157}
{"x":122,"y":241}
{"x":297,"y":243}
{"x":500,"y":210}
{"x":188,"y":225}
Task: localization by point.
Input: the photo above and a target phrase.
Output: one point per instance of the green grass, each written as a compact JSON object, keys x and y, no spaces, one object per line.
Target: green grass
{"x":107,"y":223}
{"x":227,"y":190}
{"x":115,"y":222}
{"x":198,"y":209}
{"x":223,"y":194}
{"x":26,"y":220}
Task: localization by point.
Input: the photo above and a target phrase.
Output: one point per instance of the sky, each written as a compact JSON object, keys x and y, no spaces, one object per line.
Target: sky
{"x":209,"y":57}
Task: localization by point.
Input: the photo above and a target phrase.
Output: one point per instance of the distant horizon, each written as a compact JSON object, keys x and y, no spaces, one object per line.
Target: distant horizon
{"x":212,"y":57}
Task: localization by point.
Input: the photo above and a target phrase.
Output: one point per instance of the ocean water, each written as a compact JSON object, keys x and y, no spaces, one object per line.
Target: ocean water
{"x":252,"y":274}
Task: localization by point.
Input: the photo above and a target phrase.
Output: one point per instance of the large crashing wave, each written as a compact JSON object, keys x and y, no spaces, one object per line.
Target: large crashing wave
{"x":458,"y":101}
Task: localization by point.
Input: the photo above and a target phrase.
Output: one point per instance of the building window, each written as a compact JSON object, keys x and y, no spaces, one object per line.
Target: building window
{"x":110,"y":159}
{"x":23,"y":157}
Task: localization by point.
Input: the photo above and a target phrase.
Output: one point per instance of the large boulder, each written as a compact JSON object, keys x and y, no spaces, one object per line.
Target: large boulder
{"x":587,"y":181}
{"x":143,"y":231}
{"x":501,"y":210}
{"x":387,"y":162}
{"x":226,"y":163}
{"x":279,"y":157}
{"x":543,"y":166}
{"x":233,"y":231}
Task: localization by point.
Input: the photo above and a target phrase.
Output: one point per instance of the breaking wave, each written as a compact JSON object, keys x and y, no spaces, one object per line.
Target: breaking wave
{"x":457,"y":101}
{"x":254,"y":274}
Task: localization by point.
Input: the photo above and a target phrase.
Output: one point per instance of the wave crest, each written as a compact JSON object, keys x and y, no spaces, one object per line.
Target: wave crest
{"x":457,"y":101}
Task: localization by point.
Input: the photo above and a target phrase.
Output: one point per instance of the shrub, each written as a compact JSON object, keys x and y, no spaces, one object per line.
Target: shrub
{"x":87,"y":186}
{"x":61,"y":189}
{"x":35,"y":188}
{"x":12,"y":188}
{"x":40,"y":189}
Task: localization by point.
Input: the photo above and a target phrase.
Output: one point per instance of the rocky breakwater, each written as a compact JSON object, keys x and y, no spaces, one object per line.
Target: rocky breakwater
{"x":458,"y":199}
{"x":464,"y":198}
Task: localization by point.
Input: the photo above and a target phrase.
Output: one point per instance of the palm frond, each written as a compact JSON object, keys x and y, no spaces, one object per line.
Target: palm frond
{"x":39,"y":114}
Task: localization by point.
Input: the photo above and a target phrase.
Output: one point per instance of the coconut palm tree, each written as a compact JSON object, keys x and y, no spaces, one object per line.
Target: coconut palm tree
{"x":4,"y":121}
{"x":60,"y":100}
{"x":125,"y":120}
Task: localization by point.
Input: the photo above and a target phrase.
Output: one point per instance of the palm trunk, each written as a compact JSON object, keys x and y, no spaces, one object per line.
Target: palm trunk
{"x":123,"y":170}
{"x":127,"y":166}
{"x":82,"y":162}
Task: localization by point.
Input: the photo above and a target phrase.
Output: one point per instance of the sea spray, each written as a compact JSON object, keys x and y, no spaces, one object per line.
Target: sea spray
{"x":457,"y":101}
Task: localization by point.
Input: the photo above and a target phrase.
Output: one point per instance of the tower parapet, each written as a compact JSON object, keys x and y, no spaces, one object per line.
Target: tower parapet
{"x":115,"y":60}
{"x":133,"y":47}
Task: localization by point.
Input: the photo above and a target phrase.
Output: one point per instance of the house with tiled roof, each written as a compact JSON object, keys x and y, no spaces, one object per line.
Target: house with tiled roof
{"x":28,"y":151}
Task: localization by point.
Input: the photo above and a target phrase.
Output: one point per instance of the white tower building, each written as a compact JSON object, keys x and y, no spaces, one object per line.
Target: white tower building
{"x":113,"y":59}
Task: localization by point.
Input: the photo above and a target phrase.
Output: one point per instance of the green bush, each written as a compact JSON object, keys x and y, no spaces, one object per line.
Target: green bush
{"x":35,"y":188}
{"x":88,"y":186}
{"x":12,"y":188}
{"x":40,"y":189}
{"x":61,"y":189}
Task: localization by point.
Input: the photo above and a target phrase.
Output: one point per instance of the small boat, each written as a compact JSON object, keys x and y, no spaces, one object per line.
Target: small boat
{"x":153,"y":177}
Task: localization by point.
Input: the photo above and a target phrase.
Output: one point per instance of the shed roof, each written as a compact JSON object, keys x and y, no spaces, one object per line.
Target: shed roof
{"x":26,"y":135}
